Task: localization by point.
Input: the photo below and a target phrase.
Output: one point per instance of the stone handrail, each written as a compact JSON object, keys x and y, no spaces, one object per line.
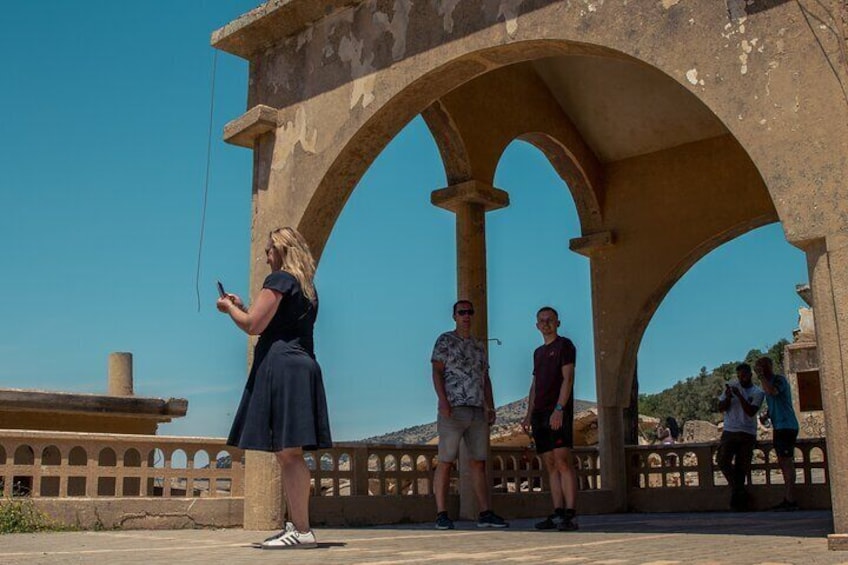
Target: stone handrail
{"x":354,"y":469}
{"x":67,"y":464}
{"x":691,"y":465}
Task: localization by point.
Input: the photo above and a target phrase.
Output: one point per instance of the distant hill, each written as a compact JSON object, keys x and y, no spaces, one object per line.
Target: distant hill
{"x":509,"y":415}
{"x":696,"y":397}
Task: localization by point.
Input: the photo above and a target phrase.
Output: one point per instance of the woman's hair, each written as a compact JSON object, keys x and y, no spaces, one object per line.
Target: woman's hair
{"x":673,"y":427}
{"x":296,"y":257}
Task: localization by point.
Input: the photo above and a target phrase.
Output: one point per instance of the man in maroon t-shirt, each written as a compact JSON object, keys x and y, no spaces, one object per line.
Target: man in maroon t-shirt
{"x":550,"y":416}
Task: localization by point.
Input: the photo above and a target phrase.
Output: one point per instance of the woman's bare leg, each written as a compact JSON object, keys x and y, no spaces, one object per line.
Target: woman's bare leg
{"x":296,"y":480}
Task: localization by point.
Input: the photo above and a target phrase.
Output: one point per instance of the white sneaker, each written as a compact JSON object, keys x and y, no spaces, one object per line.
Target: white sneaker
{"x":287,"y":528}
{"x":291,"y":539}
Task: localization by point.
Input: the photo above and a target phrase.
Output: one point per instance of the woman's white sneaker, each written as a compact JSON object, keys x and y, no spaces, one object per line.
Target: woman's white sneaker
{"x":287,"y":528}
{"x":291,"y":539}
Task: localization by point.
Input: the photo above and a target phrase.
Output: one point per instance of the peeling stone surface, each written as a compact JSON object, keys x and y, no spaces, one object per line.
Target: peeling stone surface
{"x":594,"y":5}
{"x":361,"y":69}
{"x":508,"y":10}
{"x":396,"y":25}
{"x":294,"y":133}
{"x":692,"y":77}
{"x":445,"y":9}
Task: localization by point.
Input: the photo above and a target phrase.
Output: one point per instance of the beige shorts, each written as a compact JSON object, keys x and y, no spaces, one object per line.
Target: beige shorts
{"x":468,"y":423}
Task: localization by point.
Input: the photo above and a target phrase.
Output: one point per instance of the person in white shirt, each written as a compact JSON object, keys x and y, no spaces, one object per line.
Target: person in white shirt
{"x":740,"y":401}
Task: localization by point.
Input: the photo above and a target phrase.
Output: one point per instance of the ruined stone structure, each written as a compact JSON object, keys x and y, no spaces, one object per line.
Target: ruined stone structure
{"x":801,"y":363}
{"x":119,"y":411}
{"x":676,"y":124}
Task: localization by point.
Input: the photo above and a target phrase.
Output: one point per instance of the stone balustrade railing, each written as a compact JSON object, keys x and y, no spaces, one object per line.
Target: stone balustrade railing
{"x":693,"y":465}
{"x":690,"y":478}
{"x":65,"y":464}
{"x":357,"y":483}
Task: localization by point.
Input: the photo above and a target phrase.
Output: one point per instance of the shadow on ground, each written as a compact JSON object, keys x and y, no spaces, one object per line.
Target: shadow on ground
{"x":812,"y":524}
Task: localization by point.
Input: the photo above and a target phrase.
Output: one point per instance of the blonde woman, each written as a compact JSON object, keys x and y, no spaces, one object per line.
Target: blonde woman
{"x":283,"y":409}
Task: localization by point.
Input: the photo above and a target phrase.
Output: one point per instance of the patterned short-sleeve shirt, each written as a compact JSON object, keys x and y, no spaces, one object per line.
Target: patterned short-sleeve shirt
{"x":465,"y":368}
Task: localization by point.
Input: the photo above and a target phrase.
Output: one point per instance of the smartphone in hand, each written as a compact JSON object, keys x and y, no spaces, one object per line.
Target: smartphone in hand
{"x":221,"y":292}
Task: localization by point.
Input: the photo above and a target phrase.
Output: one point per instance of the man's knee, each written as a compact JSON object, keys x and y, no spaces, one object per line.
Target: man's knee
{"x":563,"y":460}
{"x":444,"y":466}
{"x":477,"y":464}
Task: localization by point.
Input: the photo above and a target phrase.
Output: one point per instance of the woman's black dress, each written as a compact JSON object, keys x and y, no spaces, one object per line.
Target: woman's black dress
{"x":284,"y":404}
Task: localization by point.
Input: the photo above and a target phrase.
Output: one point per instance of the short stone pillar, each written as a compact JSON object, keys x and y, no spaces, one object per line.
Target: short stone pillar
{"x":264,"y":502}
{"x":470,"y":201}
{"x":120,"y":374}
{"x":611,"y":454}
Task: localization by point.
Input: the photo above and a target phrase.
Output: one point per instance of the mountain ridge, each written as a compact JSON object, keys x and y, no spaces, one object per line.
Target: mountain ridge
{"x":508,"y":416}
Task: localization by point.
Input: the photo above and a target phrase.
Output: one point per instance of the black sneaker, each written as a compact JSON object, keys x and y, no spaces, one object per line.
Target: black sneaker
{"x":739,"y":502}
{"x":443,"y":522}
{"x":786,"y":506}
{"x":569,"y":521}
{"x":552,"y":522}
{"x":489,"y":519}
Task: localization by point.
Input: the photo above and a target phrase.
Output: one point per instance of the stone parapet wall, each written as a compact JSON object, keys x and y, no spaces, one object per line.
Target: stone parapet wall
{"x":67,"y":464}
{"x":147,"y":482}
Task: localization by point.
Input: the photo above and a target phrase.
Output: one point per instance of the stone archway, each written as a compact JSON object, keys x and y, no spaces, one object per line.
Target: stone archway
{"x":330,"y":88}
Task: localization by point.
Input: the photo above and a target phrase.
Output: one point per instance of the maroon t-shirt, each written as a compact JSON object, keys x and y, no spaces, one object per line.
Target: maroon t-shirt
{"x":548,"y":361}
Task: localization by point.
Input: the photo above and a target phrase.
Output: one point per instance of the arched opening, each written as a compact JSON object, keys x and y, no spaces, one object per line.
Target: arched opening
{"x":389,"y":267}
{"x":739,"y":297}
{"x":530,"y":266}
{"x":577,"y":75}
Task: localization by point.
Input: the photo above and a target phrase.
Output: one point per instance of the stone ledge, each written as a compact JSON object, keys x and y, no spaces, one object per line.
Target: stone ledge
{"x":837,"y":542}
{"x":589,"y":244}
{"x":13,"y":400}
{"x":472,"y":191}
{"x":244,"y":130}
{"x":270,"y":22}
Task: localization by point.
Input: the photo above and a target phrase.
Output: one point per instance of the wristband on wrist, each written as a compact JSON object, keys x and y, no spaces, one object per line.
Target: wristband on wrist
{"x":558,"y":407}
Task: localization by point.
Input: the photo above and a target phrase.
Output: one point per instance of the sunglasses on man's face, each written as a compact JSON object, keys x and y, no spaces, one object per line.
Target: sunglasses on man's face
{"x":465,"y":312}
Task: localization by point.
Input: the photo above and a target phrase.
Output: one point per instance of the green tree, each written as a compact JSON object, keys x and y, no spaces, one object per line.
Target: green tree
{"x":696,"y":397}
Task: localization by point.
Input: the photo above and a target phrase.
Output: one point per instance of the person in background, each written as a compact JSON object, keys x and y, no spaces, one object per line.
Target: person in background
{"x":740,"y":401}
{"x":785,"y":426}
{"x":669,"y":433}
{"x":673,"y":430}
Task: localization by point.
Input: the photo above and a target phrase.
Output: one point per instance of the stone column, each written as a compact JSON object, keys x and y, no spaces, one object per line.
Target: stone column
{"x":264,"y":502}
{"x":120,"y":374}
{"x":827,"y":261}
{"x":470,"y":201}
{"x":610,"y":368}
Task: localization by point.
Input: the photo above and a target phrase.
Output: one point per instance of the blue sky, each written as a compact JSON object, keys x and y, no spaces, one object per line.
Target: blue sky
{"x":105,"y":113}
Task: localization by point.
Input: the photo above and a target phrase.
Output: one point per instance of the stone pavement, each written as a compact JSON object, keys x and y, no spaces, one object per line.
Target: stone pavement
{"x":764,"y":538}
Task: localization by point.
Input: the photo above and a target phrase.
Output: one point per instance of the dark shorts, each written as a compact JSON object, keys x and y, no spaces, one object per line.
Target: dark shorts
{"x":547,"y":439}
{"x":784,"y":442}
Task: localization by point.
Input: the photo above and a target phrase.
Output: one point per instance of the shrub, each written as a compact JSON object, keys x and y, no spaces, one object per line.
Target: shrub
{"x":20,"y":516}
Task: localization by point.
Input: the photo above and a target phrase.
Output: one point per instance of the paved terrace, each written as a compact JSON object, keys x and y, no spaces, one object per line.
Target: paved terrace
{"x":705,"y":538}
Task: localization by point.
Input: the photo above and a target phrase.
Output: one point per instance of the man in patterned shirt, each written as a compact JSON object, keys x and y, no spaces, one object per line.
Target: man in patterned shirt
{"x":466,"y":410}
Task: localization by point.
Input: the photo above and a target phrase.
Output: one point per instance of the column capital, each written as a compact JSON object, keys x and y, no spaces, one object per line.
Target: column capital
{"x":472,"y":191}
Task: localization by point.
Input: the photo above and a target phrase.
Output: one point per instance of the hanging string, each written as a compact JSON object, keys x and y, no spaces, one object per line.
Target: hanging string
{"x":206,"y":182}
